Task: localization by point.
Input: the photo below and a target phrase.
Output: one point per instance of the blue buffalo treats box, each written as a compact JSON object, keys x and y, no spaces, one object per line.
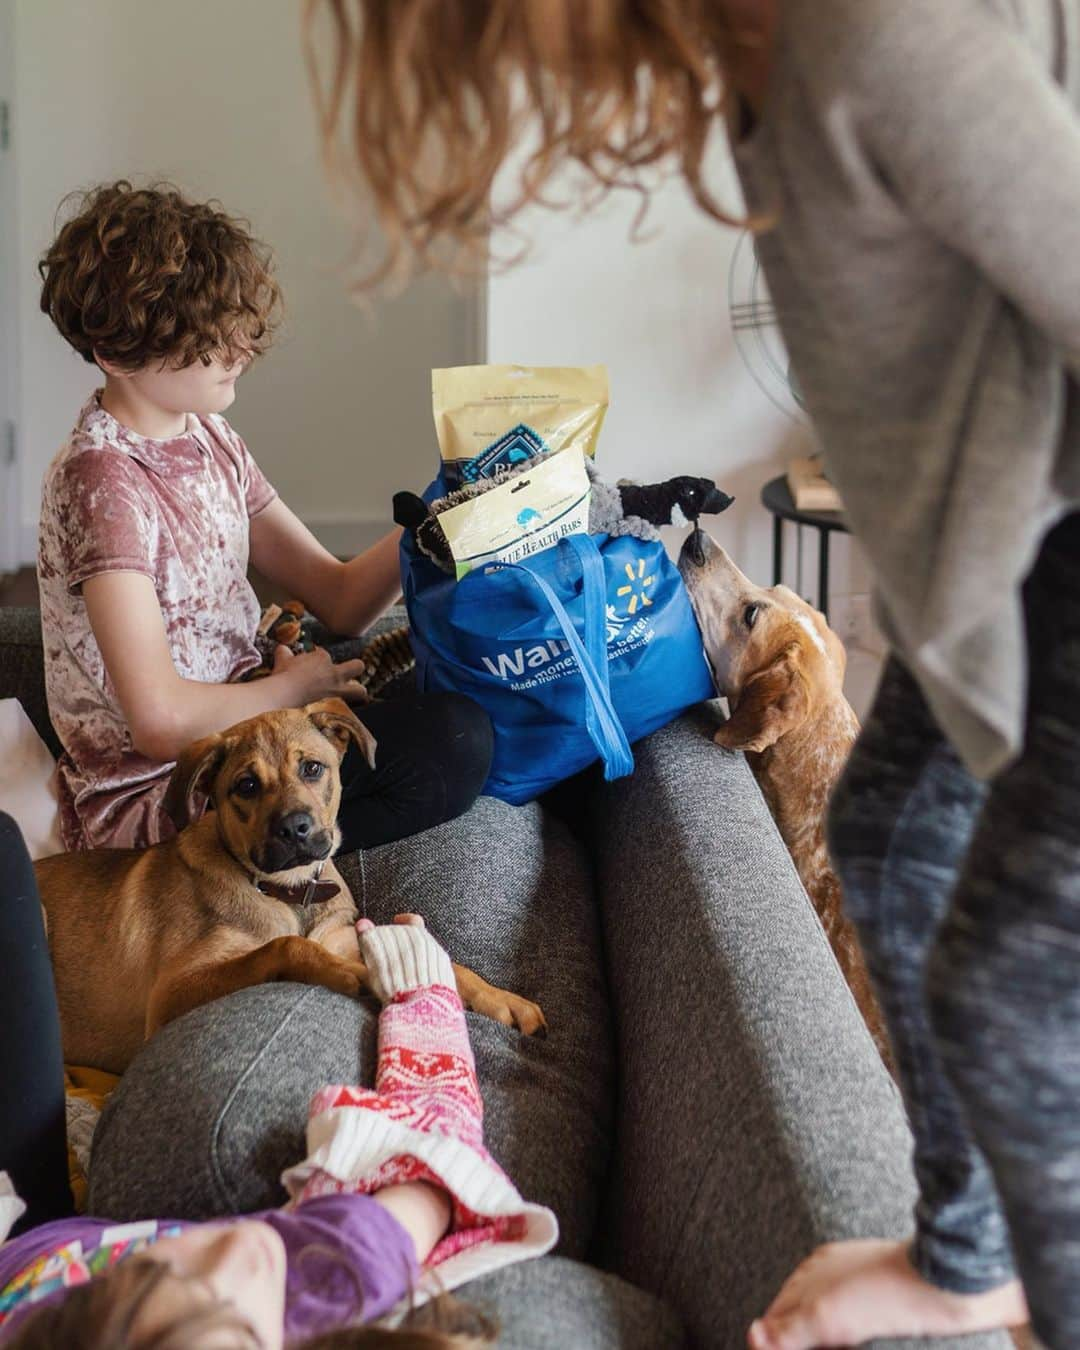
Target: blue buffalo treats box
{"x":492,"y":420}
{"x":526,"y":514}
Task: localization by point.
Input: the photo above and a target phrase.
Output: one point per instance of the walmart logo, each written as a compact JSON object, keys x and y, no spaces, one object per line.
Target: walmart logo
{"x":638,"y":588}
{"x":614,"y":623}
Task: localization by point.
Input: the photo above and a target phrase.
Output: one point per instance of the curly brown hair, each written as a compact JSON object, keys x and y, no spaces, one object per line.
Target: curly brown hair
{"x":419,"y":103}
{"x":142,"y":275}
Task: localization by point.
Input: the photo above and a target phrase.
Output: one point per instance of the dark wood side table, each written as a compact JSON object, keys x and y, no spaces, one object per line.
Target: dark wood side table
{"x":776,"y":497}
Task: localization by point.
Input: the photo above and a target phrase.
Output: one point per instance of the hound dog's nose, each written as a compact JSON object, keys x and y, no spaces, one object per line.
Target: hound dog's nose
{"x":295,"y":827}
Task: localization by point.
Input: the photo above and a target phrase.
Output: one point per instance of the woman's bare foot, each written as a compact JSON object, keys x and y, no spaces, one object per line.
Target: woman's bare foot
{"x":846,"y":1293}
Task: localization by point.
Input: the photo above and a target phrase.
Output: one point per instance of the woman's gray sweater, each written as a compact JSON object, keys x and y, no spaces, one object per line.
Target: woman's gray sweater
{"x":922,"y":160}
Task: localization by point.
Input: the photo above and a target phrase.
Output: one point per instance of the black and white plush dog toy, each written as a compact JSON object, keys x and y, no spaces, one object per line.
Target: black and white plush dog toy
{"x":624,"y":508}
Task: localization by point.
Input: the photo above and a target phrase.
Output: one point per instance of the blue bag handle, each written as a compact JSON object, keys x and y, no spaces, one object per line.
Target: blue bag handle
{"x":601,"y":720}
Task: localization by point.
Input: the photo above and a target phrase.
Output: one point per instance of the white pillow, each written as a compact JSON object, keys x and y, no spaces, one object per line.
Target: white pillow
{"x":28,"y":781}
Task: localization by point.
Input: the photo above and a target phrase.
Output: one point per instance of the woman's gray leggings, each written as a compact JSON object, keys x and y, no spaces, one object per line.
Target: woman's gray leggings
{"x":967,"y":899}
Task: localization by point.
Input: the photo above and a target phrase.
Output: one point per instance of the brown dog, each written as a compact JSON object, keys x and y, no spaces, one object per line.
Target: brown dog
{"x":244,"y":895}
{"x":782,"y":670}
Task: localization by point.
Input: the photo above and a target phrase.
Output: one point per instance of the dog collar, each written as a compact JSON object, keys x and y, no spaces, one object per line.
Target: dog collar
{"x":308,"y":892}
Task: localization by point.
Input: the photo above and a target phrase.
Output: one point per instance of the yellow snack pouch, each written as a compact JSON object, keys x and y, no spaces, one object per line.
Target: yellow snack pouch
{"x":492,"y":419}
{"x":527,"y":513}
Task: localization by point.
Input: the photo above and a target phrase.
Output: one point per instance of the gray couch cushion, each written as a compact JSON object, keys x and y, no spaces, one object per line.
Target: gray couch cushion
{"x":214,"y":1106}
{"x":555,"y":1304}
{"x":747,"y":1080}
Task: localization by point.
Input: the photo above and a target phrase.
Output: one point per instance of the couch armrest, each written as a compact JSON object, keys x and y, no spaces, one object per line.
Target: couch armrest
{"x":755,"y":1119}
{"x":22,"y":668}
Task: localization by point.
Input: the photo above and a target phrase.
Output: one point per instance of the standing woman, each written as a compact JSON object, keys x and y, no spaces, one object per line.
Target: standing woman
{"x":915,"y":170}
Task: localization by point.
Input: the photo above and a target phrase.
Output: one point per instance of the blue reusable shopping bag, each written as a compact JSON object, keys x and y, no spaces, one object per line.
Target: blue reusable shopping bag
{"x":575,"y":653}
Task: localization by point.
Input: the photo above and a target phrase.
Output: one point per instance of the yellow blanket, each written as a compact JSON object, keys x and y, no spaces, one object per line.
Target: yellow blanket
{"x":86,"y":1091}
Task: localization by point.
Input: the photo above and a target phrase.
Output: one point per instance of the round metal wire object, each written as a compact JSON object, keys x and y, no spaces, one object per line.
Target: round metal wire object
{"x":757,"y":333}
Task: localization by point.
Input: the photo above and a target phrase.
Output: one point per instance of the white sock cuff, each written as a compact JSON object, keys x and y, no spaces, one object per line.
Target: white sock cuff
{"x":401,"y":957}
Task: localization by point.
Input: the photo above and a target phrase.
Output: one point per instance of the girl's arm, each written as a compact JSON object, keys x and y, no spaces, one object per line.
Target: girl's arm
{"x":346,"y":596}
{"x":424,"y":1118}
{"x":166,"y":712}
{"x":422,"y":1210}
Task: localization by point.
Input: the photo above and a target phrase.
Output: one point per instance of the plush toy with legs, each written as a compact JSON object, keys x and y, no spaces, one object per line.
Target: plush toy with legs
{"x":386,"y":656}
{"x":623,"y":508}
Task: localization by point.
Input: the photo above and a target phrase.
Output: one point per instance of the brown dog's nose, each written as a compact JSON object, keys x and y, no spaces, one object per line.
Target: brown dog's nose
{"x":295,"y":827}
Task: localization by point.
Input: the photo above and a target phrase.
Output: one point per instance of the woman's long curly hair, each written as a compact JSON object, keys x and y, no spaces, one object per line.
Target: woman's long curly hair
{"x":140,"y":276}
{"x":419,"y":103}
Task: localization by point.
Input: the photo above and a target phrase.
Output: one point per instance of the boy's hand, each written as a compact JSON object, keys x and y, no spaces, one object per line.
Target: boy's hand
{"x":312,"y":676}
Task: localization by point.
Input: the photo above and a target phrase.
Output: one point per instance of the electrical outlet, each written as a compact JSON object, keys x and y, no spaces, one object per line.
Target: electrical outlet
{"x":851,"y":618}
{"x":842,"y":618}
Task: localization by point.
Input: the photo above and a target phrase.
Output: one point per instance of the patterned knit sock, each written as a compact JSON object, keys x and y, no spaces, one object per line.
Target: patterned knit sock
{"x":425,"y":1076}
{"x":424,"y":1119}
{"x":425,"y":1059}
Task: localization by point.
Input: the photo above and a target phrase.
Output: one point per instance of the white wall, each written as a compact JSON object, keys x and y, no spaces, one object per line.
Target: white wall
{"x":9,"y":468}
{"x":214,"y":96}
{"x":656,"y":312}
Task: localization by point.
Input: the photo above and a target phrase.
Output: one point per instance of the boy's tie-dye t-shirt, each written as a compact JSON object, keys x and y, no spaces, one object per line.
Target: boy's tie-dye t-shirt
{"x":178,"y":512}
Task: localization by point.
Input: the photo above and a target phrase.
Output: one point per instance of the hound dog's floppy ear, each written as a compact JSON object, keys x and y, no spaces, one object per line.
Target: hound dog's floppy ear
{"x":193,"y":773}
{"x":771,"y":704}
{"x":340,"y":725}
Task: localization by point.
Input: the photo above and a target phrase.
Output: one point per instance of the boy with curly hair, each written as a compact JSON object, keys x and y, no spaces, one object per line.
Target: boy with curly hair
{"x":150,"y":515}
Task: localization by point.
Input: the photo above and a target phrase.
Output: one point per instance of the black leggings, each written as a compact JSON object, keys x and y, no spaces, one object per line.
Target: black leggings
{"x":967,"y":899}
{"x":432,"y":757}
{"x":33,"y":1141}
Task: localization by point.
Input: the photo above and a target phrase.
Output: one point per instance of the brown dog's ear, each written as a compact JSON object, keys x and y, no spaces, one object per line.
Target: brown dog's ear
{"x":340,"y":725}
{"x":194,"y":773}
{"x":772,"y":702}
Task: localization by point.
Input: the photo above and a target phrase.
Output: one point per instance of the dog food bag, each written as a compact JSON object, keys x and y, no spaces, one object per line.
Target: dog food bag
{"x":527,"y":513}
{"x":491,"y":419}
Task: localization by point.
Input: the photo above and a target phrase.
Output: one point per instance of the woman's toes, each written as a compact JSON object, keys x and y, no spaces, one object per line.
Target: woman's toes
{"x":757,"y":1338}
{"x":798,"y":1330}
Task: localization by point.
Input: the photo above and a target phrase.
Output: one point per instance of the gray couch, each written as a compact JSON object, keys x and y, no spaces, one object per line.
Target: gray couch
{"x":706,"y":1108}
